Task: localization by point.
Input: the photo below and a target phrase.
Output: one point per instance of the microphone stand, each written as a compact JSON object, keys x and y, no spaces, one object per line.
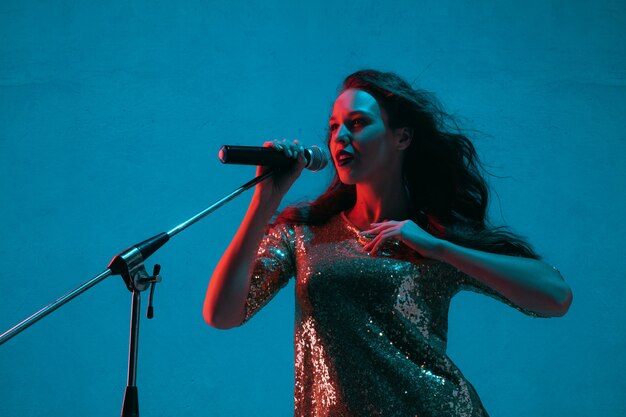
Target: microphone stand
{"x":130,"y":265}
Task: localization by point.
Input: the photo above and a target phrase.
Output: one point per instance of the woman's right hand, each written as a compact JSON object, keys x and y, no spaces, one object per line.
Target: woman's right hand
{"x":225,"y":301}
{"x":275,"y":187}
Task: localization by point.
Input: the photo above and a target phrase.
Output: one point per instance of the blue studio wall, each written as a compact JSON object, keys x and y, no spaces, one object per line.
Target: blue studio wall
{"x":111,"y":115}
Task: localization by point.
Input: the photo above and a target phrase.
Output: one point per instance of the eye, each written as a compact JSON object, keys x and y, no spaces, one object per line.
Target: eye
{"x":333,"y":127}
{"x":358,"y":122}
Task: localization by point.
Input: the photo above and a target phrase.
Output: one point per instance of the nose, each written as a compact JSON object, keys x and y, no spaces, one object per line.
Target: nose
{"x":343,"y":135}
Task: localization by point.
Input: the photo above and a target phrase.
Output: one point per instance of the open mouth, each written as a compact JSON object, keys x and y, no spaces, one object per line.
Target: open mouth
{"x":343,"y":158}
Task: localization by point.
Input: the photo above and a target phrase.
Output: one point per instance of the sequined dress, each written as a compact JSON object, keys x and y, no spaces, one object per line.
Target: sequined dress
{"x":370,"y":330}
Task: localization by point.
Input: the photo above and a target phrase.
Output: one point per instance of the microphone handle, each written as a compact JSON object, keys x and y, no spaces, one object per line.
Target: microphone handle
{"x":256,"y":155}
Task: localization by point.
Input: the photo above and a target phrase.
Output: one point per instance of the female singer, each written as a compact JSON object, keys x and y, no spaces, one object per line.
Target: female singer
{"x":378,"y":257}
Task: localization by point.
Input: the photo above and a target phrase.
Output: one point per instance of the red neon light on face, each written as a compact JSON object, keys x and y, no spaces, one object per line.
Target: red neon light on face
{"x":360,"y":142}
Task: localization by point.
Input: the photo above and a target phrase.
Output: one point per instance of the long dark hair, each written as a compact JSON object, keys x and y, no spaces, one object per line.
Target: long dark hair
{"x":442,"y":172}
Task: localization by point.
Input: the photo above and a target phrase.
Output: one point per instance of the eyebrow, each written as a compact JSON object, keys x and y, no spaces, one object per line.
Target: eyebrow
{"x":353,"y":112}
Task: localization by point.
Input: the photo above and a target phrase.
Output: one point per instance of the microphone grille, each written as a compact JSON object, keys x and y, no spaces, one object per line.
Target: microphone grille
{"x":318,"y":158}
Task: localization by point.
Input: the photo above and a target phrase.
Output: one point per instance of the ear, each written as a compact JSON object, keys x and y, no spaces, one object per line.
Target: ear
{"x":404,"y":136}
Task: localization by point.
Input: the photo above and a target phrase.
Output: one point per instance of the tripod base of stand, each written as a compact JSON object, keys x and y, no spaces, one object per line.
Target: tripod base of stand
{"x":130,"y":408}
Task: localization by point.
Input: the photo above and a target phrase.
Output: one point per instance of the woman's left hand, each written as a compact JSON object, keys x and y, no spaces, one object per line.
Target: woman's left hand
{"x":406,"y":232}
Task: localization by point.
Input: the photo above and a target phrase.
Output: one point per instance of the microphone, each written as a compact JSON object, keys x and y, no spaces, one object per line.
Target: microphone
{"x":316,"y":158}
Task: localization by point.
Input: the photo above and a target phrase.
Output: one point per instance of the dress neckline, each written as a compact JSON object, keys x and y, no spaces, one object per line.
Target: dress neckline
{"x":348,"y":222}
{"x":358,"y":232}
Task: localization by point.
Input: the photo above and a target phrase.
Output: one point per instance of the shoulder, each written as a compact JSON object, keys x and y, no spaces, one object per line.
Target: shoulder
{"x":304,"y":233}
{"x":282,"y":230}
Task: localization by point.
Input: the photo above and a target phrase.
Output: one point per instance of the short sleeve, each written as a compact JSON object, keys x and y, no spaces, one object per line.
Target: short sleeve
{"x":273,"y":267}
{"x":469,"y":283}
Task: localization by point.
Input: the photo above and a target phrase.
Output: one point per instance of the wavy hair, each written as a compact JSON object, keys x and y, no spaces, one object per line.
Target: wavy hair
{"x":452,"y":203}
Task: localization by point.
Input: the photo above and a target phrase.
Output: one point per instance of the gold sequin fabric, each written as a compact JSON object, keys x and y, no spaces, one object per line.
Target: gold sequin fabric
{"x":370,"y":330}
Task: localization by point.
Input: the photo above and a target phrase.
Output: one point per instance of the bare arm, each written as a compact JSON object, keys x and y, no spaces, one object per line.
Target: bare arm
{"x":228,"y":288}
{"x":224,"y":304}
{"x":529,"y":283}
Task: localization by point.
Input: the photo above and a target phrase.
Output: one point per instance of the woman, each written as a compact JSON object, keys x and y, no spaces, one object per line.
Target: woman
{"x":378,"y":257}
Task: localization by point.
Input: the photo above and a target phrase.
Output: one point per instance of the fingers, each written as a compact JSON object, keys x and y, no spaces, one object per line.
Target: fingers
{"x":377,"y":229}
{"x":290,"y":149}
{"x":384,"y":222}
{"x":373,"y":246}
{"x":379,"y":240}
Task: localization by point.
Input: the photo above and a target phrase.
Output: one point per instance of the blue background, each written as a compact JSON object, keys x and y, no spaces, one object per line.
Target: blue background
{"x":111,"y":115}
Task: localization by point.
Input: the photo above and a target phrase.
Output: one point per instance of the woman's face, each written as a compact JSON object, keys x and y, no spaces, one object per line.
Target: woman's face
{"x":361,"y":142}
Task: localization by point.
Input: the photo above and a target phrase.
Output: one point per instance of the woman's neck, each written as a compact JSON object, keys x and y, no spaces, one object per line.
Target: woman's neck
{"x":378,"y":203}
